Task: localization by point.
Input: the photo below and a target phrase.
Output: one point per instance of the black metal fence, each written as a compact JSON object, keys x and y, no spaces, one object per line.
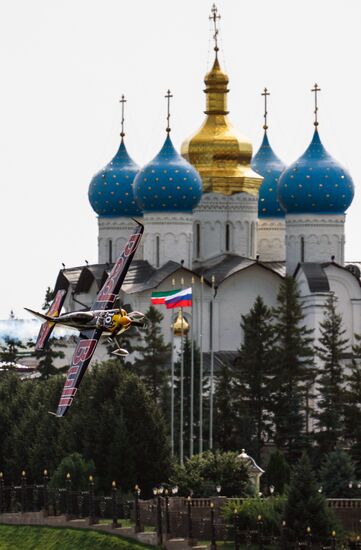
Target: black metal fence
{"x":171,"y":517}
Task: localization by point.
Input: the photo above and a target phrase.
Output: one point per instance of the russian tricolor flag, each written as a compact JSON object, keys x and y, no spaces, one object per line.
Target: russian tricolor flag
{"x":182,"y":298}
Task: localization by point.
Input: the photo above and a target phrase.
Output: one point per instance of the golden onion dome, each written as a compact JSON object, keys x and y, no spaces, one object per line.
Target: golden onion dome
{"x":180,"y":325}
{"x":221,"y":155}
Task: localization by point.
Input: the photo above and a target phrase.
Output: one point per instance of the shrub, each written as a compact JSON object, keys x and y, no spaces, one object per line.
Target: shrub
{"x":79,"y":470}
{"x":270,"y":509}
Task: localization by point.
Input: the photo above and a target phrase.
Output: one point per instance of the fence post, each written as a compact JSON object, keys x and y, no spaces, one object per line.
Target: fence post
{"x":138,"y":527}
{"x":309,"y":537}
{"x":167,"y":522}
{"x":91,"y":520}
{"x":1,"y":492}
{"x":213,"y":529}
{"x":260,"y":532}
{"x":283,"y":535}
{"x":235,"y":528}
{"x":45,"y":493}
{"x":157,"y":493}
{"x":23,"y":491}
{"x":190,"y":521}
{"x":68,"y":496}
{"x":114,"y":506}
{"x":333,"y":540}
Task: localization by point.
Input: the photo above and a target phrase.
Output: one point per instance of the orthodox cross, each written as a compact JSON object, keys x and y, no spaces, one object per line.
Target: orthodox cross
{"x":168,"y":98}
{"x":316,"y":89}
{"x":265,"y":93}
{"x":122,"y":101}
{"x":214,"y":17}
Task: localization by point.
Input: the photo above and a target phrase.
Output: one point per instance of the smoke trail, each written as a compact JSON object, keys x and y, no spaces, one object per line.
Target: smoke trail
{"x":27,"y":329}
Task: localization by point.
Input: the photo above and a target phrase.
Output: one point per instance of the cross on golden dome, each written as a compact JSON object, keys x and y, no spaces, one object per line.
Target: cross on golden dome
{"x":122,"y":101}
{"x":265,"y":93}
{"x":168,"y":97}
{"x":316,"y":89}
{"x":215,"y":17}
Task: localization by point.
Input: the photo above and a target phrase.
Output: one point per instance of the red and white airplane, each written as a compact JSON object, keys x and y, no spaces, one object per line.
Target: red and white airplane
{"x":101,"y":320}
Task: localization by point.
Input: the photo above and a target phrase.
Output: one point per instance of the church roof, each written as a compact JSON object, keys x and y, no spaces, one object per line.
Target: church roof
{"x":226,"y":265}
{"x":315,"y":183}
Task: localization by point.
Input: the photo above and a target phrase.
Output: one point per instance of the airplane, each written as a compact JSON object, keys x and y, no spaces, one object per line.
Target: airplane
{"x":103,"y":319}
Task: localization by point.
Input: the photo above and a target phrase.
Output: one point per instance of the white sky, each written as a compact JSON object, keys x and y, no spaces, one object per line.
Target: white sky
{"x":65,"y":64}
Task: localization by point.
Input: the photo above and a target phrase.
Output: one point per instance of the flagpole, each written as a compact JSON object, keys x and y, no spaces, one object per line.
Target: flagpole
{"x":172,"y":383}
{"x":212,"y":370}
{"x":200,"y":450}
{"x":181,"y":441}
{"x":191,"y":420}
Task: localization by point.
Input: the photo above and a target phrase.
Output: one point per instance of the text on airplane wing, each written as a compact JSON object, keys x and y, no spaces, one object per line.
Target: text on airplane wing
{"x":47,"y":328}
{"x":83,"y":353}
{"x":108,"y":293}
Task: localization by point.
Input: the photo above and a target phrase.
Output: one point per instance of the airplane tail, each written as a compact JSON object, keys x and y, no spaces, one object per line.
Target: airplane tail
{"x":48,"y":325}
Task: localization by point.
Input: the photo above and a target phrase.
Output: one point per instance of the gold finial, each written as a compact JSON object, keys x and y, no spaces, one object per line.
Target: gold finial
{"x":214,"y":17}
{"x":122,"y":101}
{"x":168,"y":97}
{"x":180,"y":325}
{"x":265,"y":93}
{"x":316,"y":89}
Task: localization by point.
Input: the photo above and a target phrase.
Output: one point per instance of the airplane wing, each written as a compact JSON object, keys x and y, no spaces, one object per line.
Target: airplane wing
{"x":87,"y":342}
{"x":89,"y":339}
{"x":47,"y":327}
{"x":108,"y":293}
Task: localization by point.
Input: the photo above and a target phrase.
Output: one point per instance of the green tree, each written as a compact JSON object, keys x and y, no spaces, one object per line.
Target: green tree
{"x":153,"y":355}
{"x":336,"y":473}
{"x":254,"y":372}
{"x":330,"y":403}
{"x":203,"y":472}
{"x":293,"y":370}
{"x":352,"y":409}
{"x":48,"y":299}
{"x":10,"y":351}
{"x":226,"y":420}
{"x":306,"y":506}
{"x":79,"y":470}
{"x":278,"y":472}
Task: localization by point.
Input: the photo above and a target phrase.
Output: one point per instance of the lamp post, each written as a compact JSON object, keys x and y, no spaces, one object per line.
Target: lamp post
{"x":271,"y":489}
{"x":157,"y":493}
{"x":91,"y":501}
{"x":218,"y":489}
{"x":68,"y":495}
{"x":175,"y":490}
{"x":235,"y":529}
{"x":136,"y":509}
{"x":23,"y":491}
{"x":213,"y":530}
{"x":190,"y":522}
{"x":1,"y":492}
{"x":283,"y":535}
{"x":259,"y":531}
{"x":45,"y":493}
{"x":114,"y":506}
{"x":167,"y":522}
{"x":309,"y":537}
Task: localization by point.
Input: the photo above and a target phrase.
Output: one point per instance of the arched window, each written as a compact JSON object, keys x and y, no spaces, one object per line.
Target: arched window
{"x":228,"y":237}
{"x":198,"y":240}
{"x":157,"y":251}
{"x":110,"y":251}
{"x":302,"y":249}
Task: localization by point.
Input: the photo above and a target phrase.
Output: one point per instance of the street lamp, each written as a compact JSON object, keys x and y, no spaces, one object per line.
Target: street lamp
{"x":218,"y":489}
{"x":271,"y":489}
{"x":137,"y":511}
{"x":320,"y":489}
{"x":350,"y":484}
{"x":175,"y":490}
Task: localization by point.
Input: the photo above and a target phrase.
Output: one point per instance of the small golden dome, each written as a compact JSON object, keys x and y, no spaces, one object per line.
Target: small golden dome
{"x":221,"y":155}
{"x":177,"y":325}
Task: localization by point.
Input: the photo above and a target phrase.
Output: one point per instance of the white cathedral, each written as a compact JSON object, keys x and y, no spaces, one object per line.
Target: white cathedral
{"x":229,"y":225}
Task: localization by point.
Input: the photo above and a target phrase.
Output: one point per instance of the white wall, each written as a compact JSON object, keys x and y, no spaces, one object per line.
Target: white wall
{"x":271,"y":239}
{"x":116,"y":230}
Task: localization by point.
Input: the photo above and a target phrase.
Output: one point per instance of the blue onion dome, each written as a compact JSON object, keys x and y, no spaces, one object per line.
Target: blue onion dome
{"x":168,"y":183}
{"x":110,"y":191}
{"x":315,"y":183}
{"x":266,"y":163}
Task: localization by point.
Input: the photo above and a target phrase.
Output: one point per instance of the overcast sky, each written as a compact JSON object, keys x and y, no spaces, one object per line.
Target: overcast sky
{"x":65,"y":64}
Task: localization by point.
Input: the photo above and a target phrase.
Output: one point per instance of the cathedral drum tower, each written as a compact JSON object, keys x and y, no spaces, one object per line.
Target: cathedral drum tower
{"x":225,"y":221}
{"x":315,"y":192}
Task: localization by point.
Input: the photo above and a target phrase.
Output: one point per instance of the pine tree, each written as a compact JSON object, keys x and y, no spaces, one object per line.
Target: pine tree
{"x":10,"y":351}
{"x":306,"y":506}
{"x":293,"y":370}
{"x":278,"y":472}
{"x":336,"y":473}
{"x":253,"y":370}
{"x":226,"y":422}
{"x":153,"y":357}
{"x":352,"y":407}
{"x":330,"y":403}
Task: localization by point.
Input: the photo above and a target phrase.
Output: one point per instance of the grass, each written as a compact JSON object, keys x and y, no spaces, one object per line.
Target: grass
{"x":14,"y":537}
